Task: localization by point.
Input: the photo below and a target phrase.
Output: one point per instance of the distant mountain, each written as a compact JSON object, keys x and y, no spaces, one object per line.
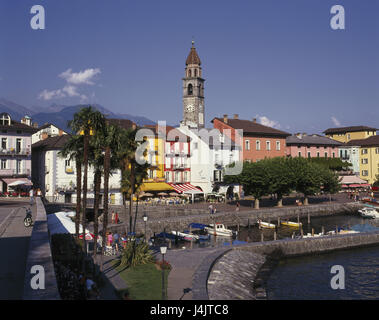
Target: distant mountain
{"x":60,"y":114}
{"x":15,"y":110}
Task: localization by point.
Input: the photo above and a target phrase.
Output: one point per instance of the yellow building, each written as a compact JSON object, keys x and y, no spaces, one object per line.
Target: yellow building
{"x":345,"y":134}
{"x":155,"y":156}
{"x":369,"y":158}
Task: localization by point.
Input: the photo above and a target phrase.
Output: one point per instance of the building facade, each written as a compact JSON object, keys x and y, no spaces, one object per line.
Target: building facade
{"x":311,"y":146}
{"x":15,"y":151}
{"x":345,"y":134}
{"x":257,"y":141}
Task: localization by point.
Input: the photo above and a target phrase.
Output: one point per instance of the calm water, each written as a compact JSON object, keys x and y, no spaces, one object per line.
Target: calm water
{"x":253,"y":234}
{"x":309,"y":277}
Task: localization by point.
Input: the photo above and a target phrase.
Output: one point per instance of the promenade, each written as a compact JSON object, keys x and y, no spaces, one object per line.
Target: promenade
{"x":14,"y":246}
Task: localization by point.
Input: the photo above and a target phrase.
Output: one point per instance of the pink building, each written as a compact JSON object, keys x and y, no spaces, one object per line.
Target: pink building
{"x":311,"y":146}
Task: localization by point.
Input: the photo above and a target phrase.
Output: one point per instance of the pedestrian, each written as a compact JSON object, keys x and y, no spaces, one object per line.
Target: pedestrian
{"x":124,"y":239}
{"x":214,"y":210}
{"x":116,"y":217}
{"x":237,"y":206}
{"x":31,"y":195}
{"x":210,"y":209}
{"x":116,"y":238}
{"x":113,"y":217}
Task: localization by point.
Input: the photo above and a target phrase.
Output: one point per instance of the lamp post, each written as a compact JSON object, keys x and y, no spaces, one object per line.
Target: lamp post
{"x":163,"y":252}
{"x":145,"y":220}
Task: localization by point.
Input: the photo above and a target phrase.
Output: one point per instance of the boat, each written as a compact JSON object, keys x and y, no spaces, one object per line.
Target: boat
{"x":220,"y":230}
{"x":291,"y":224}
{"x":265,"y":225}
{"x":369,"y":212}
{"x":309,"y":235}
{"x":186,"y":235}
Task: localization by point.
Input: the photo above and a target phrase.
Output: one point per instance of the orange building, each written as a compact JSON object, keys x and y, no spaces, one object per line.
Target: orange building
{"x":258,"y":141}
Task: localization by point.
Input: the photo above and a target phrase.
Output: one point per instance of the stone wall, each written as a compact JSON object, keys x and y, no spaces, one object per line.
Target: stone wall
{"x":40,"y":254}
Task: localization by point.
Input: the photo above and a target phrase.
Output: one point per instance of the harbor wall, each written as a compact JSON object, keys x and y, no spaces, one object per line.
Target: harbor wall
{"x":240,"y":272}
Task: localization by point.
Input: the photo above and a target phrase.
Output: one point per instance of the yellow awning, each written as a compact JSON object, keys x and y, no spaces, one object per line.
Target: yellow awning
{"x":156,"y":186}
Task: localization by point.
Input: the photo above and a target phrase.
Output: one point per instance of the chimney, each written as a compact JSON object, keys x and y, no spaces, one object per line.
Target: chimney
{"x":60,"y":132}
{"x":255,"y":120}
{"x":236,"y":116}
{"x":44,"y":135}
{"x":225,"y":118}
{"x":299,"y":135}
{"x":26,"y":120}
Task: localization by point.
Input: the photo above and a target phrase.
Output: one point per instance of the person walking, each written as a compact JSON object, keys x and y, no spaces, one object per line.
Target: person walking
{"x":31,"y":195}
{"x":210,"y":209}
{"x":113,"y":217}
{"x":116,"y":218}
{"x":237,"y":206}
{"x":116,"y":238}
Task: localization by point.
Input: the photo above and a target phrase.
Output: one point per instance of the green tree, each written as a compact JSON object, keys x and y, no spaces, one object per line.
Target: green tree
{"x":282,"y":179}
{"x":86,"y":122}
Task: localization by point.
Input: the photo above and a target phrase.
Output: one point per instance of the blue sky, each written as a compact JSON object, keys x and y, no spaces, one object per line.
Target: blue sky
{"x":278,"y":60}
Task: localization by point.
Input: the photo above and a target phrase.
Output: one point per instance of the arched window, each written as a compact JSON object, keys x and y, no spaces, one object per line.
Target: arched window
{"x":189,"y":73}
{"x":195,"y":72}
{"x":190,"y":90}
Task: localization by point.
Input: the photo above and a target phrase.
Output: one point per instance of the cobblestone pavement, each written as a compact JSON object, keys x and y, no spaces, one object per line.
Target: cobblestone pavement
{"x":14,"y":245}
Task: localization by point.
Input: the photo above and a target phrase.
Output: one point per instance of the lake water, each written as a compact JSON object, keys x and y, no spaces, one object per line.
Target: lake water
{"x":309,"y":277}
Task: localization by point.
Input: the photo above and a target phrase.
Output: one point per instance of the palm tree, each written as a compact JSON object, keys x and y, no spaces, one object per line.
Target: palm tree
{"x":132,"y":173}
{"x":86,"y":122}
{"x":74,"y":150}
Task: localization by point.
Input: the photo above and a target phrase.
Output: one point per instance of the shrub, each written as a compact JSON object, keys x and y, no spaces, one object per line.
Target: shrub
{"x":136,"y":254}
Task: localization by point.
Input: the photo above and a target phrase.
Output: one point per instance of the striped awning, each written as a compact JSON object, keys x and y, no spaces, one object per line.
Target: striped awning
{"x":185,"y":188}
{"x":26,"y":181}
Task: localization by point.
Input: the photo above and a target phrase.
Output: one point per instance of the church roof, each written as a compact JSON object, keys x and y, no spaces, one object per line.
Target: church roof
{"x":193,"y":57}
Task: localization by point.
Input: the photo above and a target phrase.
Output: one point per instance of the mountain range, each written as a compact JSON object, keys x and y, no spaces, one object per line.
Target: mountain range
{"x":59,"y":115}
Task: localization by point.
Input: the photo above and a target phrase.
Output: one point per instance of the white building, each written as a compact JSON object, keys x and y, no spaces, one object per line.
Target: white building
{"x":211,"y":152}
{"x":56,"y":175}
{"x":45,"y":131}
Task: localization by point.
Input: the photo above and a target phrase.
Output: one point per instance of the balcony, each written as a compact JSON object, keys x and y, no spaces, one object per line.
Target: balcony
{"x":14,"y":172}
{"x":179,"y":166}
{"x":15,"y":152}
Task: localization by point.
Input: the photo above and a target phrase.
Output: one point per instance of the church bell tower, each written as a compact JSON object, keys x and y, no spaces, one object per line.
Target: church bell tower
{"x":193,"y":91}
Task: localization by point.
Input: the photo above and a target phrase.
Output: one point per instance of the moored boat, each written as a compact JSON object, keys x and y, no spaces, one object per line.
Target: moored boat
{"x":220,"y":230}
{"x":266,"y":225}
{"x":291,"y":224}
{"x":369,"y":212}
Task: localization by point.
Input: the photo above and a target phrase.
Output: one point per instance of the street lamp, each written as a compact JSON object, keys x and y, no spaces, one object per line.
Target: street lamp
{"x":145,"y":220}
{"x":163,"y":252}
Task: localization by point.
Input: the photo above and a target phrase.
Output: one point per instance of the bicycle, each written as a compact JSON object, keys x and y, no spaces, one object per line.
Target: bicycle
{"x":28,"y":221}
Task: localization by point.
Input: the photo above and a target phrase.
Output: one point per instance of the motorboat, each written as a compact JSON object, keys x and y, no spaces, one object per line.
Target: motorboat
{"x":265,"y":225}
{"x":291,"y":224}
{"x":186,"y":235}
{"x":309,"y":235}
{"x":220,"y":230}
{"x":369,"y":212}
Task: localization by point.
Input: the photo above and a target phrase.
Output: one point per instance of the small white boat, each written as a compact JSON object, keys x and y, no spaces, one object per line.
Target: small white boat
{"x":309,"y":235}
{"x":220,"y":230}
{"x":368,"y":212}
{"x":266,"y":225}
{"x":186,"y":236}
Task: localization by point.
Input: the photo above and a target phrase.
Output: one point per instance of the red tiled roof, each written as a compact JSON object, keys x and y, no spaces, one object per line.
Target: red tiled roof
{"x":253,"y":128}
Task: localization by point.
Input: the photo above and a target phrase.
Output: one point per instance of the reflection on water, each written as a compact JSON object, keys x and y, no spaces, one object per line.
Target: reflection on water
{"x":309,"y":277}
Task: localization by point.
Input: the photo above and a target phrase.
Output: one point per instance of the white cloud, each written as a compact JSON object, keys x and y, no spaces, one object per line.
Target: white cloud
{"x":72,"y":80}
{"x":81,"y":77}
{"x":336,"y":121}
{"x":267,"y":122}
{"x":48,"y":95}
